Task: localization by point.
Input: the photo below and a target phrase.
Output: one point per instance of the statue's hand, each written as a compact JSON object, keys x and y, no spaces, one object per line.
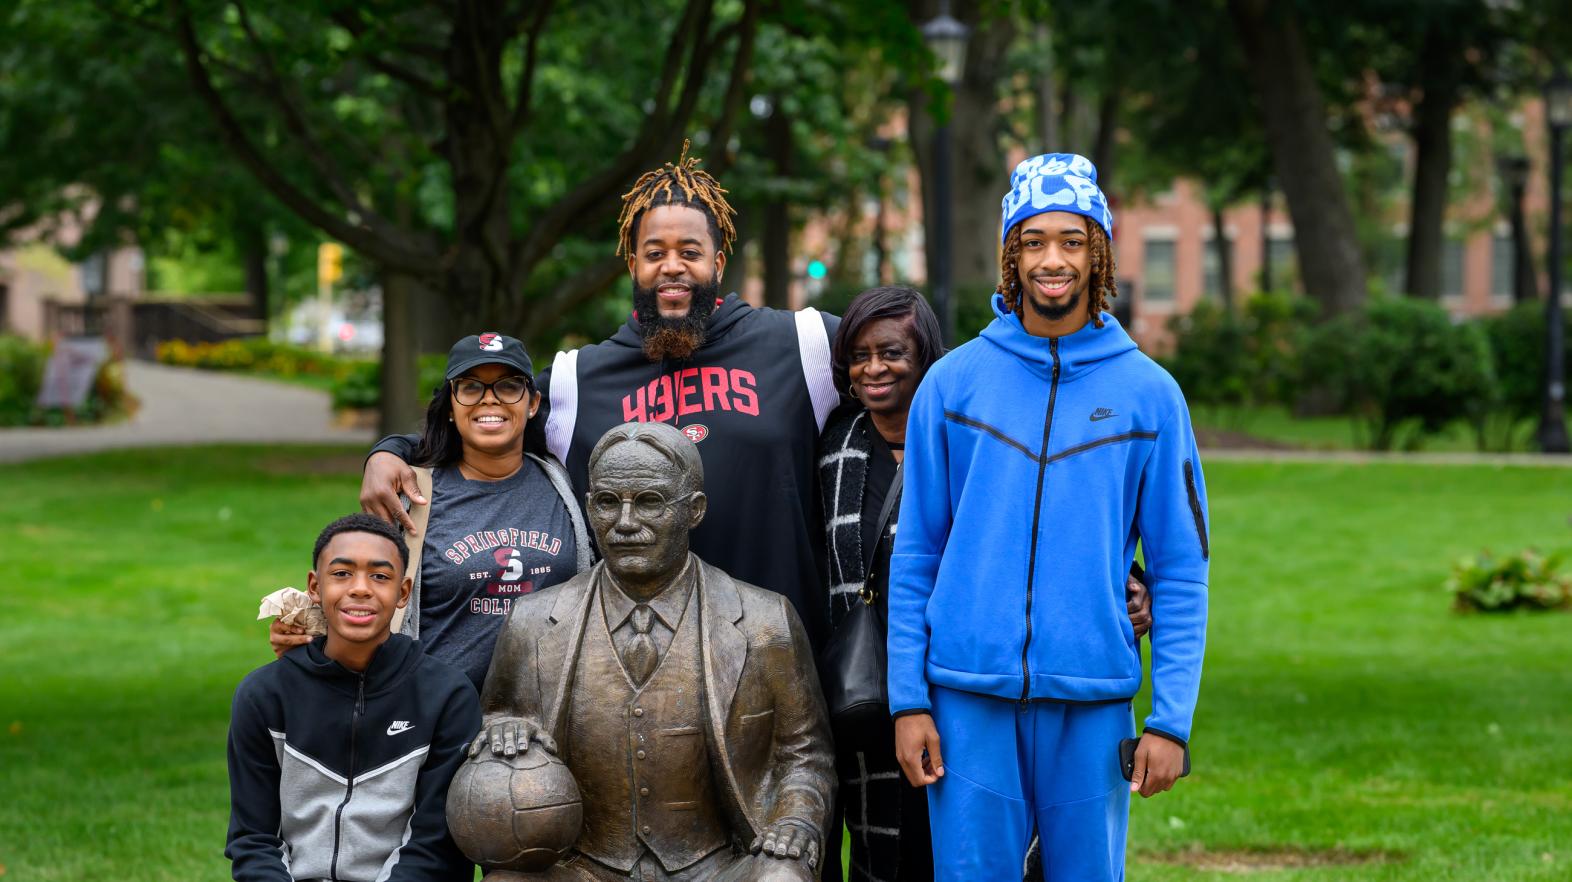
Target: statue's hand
{"x":510,"y":736}
{"x":791,"y":839}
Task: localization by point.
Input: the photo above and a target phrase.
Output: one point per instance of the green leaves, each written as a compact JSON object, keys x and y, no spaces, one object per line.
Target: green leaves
{"x":1526,"y":580}
{"x":1404,"y":368}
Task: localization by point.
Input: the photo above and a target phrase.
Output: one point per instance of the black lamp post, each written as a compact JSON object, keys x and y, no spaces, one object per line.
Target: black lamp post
{"x":946,"y":38}
{"x":1552,"y":419}
{"x":1513,"y":169}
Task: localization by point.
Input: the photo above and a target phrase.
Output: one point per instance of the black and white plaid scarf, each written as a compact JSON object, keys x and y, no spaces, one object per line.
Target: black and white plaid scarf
{"x":844,"y":448}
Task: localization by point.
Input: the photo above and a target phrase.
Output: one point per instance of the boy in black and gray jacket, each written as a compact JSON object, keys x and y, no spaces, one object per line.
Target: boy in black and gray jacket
{"x":340,"y":753}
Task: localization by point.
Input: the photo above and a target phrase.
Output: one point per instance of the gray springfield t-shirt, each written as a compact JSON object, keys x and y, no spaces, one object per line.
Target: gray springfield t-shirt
{"x":487,"y":542}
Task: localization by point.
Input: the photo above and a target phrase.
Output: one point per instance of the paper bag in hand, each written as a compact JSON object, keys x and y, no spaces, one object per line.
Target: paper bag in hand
{"x":293,"y":607}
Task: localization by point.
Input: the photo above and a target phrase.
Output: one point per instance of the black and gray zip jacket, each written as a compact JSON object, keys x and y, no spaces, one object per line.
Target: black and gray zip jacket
{"x":335,"y":775}
{"x":754,"y":398}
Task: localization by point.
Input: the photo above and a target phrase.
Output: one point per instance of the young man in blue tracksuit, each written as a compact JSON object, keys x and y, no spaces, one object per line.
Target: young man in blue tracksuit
{"x":1038,"y":457}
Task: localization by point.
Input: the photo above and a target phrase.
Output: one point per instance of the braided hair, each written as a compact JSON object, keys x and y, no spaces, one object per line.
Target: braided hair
{"x":1100,"y":292}
{"x":682,"y":183}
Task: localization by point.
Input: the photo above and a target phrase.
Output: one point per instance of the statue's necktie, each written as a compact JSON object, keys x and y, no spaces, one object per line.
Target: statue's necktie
{"x":640,"y":654}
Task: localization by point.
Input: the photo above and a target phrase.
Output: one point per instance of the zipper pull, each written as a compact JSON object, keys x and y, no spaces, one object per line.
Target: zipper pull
{"x":360,"y":697}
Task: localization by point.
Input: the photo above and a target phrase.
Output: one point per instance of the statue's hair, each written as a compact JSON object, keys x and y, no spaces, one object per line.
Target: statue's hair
{"x":665,"y":440}
{"x":1103,"y":287}
{"x":682,"y":183}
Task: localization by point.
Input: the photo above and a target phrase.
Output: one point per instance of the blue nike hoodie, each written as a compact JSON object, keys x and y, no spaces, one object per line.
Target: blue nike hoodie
{"x":1034,"y":466}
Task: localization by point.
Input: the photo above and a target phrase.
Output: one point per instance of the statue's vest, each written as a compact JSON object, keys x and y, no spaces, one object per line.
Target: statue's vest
{"x":659,"y":730}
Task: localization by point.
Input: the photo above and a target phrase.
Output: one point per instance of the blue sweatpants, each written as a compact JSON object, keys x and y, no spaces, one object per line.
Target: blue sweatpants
{"x":1009,"y":767}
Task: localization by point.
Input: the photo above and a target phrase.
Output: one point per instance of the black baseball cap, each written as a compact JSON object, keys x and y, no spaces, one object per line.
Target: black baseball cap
{"x":488,"y":348}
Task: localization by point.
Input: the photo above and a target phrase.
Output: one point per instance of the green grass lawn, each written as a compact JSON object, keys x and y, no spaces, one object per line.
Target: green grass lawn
{"x":1345,"y":710}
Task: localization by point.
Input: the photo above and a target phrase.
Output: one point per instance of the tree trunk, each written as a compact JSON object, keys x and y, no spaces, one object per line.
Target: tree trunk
{"x":981,"y":174}
{"x":400,"y":408}
{"x":1432,"y":133}
{"x":1266,"y":235}
{"x":252,"y":240}
{"x":737,"y":263}
{"x":1045,"y":107}
{"x":1330,"y":263}
{"x":1104,"y":144}
{"x":777,"y":214}
{"x":477,"y":148}
{"x":1225,"y":259}
{"x":1525,"y":284}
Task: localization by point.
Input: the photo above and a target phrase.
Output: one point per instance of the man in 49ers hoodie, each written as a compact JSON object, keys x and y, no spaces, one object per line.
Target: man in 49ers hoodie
{"x":752,"y":387}
{"x":1038,"y":457}
{"x":340,"y":753}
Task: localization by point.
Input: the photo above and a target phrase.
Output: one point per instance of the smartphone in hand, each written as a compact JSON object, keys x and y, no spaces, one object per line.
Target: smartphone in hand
{"x":1127,"y":758}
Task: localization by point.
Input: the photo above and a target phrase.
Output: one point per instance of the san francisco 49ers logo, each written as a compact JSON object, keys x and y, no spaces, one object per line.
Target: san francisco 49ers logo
{"x":696,"y":432}
{"x":491,"y":342}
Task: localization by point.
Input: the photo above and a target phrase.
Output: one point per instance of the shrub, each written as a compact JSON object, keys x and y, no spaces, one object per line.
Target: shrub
{"x":1403,"y":369}
{"x":1525,"y":580}
{"x":361,"y":385}
{"x":22,"y":373}
{"x":1246,"y":358}
{"x":1209,"y":358}
{"x":255,"y":355}
{"x":1517,"y":346}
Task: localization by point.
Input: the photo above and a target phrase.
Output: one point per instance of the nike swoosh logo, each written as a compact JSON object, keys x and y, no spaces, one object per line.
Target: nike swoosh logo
{"x":1101,"y":415}
{"x":399,"y":726}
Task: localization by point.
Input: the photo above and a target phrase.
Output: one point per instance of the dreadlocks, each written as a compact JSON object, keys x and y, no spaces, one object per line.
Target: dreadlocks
{"x":1100,"y":292}
{"x":660,"y":187}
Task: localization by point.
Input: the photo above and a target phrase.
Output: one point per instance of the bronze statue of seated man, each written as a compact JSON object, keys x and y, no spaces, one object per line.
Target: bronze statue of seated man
{"x":684,"y":703}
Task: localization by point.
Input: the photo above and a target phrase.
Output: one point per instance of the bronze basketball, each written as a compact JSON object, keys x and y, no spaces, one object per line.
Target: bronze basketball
{"x":515,"y":813}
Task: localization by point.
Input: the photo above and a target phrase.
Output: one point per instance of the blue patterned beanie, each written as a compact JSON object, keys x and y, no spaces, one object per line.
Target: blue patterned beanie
{"x":1055,"y":182}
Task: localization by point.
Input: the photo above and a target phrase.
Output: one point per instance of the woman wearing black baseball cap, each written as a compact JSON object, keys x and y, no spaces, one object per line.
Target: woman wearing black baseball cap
{"x":502,"y":523}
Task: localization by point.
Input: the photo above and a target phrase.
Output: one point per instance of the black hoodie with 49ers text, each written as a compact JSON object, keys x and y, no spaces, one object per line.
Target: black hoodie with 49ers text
{"x":753,"y":398}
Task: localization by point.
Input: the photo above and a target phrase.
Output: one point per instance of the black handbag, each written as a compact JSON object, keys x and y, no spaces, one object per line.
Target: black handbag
{"x":853,"y":660}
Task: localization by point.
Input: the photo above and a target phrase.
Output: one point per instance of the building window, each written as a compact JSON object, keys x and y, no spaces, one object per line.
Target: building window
{"x":1501,"y":266}
{"x":1211,"y":268}
{"x":1280,"y":257}
{"x":1452,"y":267}
{"x":1159,"y":262}
{"x":90,"y":275}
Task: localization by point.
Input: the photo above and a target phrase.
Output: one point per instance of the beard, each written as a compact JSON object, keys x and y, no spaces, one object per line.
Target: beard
{"x":674,"y":338}
{"x":1053,"y":312}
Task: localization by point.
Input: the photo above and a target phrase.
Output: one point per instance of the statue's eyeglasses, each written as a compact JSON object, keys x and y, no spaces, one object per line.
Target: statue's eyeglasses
{"x":646,"y":503}
{"x":468,"y":391}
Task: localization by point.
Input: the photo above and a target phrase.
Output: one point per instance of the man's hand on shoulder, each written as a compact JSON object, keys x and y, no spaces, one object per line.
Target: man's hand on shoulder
{"x":385,"y":479}
{"x":917,"y":749}
{"x":284,"y":637}
{"x":1158,"y":764}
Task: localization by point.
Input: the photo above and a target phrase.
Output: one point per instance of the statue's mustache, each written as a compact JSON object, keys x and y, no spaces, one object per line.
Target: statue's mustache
{"x":617,"y":539}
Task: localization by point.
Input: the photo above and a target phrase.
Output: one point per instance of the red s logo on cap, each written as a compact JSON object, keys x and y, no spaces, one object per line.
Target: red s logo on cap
{"x":491,"y":342}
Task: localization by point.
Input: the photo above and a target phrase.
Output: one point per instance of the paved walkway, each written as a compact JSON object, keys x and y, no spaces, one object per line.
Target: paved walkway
{"x":187,"y":406}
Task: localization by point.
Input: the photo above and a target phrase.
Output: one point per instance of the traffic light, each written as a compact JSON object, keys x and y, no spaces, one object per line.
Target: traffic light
{"x":330,"y":263}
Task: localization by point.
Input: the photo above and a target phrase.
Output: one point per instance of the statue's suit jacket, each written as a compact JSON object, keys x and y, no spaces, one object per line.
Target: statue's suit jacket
{"x":766,"y":726}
